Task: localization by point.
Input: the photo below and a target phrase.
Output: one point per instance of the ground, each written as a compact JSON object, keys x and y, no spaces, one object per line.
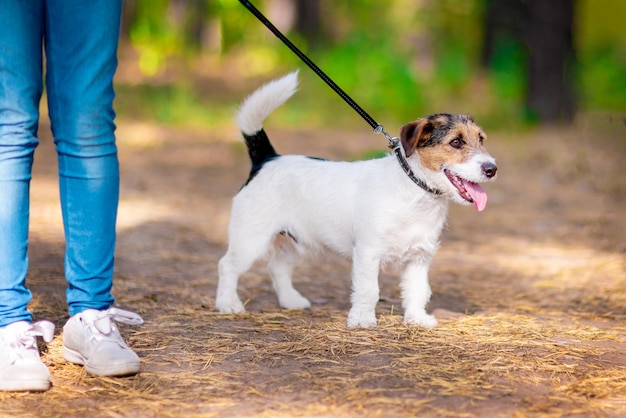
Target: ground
{"x":530,"y":293}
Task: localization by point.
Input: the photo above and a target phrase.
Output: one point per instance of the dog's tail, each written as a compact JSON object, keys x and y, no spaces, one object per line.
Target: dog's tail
{"x":253,"y":112}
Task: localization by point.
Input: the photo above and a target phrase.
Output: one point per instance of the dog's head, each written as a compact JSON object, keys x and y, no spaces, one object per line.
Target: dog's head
{"x":451,"y":151}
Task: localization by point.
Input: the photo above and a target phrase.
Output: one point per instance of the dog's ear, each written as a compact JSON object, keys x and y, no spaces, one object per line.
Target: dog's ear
{"x":415,"y":134}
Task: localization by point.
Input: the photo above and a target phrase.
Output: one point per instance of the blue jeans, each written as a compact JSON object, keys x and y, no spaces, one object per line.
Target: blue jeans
{"x":80,"y":41}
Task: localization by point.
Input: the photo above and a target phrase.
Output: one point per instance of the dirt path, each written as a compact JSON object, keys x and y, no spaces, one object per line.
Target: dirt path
{"x":531,"y":293}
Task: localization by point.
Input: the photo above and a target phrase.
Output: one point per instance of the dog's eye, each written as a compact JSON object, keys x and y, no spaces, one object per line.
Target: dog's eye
{"x":457,"y":143}
{"x":481,"y":138}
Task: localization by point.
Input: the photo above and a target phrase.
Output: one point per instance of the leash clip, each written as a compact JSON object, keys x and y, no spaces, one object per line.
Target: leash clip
{"x":393,"y":141}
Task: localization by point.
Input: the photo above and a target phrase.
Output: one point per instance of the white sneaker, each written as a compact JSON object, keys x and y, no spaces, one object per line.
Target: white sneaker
{"x":91,"y":338}
{"x":21,"y":368}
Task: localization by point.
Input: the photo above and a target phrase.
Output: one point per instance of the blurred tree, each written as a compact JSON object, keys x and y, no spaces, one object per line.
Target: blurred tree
{"x":308,"y":22}
{"x":552,"y":60}
{"x":129,"y":12}
{"x":545,"y":29}
{"x":504,"y":22}
{"x":191,"y":18}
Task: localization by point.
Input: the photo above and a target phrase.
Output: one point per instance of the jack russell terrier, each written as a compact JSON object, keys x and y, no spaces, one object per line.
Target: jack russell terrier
{"x":370,"y":211}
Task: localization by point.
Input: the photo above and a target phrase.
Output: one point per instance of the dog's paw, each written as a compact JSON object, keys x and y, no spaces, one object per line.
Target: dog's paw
{"x":361,"y":319}
{"x":230,"y":306}
{"x":422,"y":320}
{"x":294,"y":301}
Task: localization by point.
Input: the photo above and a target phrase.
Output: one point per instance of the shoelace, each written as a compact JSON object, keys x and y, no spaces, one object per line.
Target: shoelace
{"x":26,"y":341}
{"x":102,"y":323}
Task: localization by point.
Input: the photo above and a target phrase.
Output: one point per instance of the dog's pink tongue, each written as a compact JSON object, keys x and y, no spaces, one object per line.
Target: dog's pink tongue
{"x":478,"y":194}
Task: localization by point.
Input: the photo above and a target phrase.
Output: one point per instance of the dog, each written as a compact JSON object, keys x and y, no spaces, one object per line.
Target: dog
{"x":370,"y":211}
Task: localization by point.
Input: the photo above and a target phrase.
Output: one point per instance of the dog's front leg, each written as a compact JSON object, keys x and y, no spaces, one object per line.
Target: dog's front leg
{"x":416,"y":293}
{"x":365,"y":290}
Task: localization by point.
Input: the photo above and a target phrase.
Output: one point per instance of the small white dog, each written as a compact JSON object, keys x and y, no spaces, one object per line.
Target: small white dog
{"x":370,"y":211}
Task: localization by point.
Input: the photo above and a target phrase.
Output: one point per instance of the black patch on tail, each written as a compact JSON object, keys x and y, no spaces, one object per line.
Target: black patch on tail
{"x":260,"y":151}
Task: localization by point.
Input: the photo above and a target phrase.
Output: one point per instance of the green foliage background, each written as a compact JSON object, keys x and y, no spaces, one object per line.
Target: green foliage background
{"x":398,"y":59}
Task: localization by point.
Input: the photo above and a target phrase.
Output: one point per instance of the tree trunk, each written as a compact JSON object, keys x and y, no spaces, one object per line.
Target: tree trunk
{"x":308,"y":22}
{"x":552,"y":60}
{"x":545,"y":27}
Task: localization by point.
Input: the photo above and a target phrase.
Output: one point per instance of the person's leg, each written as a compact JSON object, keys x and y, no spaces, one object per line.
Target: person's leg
{"x":21,"y":31}
{"x":81,"y":41}
{"x":81,"y":49}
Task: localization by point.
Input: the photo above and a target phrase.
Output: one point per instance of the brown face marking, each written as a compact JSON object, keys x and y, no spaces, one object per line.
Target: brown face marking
{"x":442,"y":139}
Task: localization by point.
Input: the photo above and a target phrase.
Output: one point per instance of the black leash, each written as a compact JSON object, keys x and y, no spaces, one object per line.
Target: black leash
{"x":394,"y":142}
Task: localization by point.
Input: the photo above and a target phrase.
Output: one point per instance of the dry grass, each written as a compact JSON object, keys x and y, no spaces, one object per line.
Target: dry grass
{"x":309,"y":364}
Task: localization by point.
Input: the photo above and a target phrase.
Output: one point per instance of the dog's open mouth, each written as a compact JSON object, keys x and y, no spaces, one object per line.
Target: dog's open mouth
{"x":470,"y":191}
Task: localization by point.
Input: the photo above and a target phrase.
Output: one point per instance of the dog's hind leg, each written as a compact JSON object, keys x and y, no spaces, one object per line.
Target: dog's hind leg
{"x":280,"y":267}
{"x":241,"y":255}
{"x":227,"y":300}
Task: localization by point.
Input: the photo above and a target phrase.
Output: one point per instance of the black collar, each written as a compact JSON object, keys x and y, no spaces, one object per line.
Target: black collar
{"x":395,"y":146}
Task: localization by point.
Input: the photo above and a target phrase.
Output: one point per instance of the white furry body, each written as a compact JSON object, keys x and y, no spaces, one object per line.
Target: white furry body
{"x":369,"y":211}
{"x":364,"y":210}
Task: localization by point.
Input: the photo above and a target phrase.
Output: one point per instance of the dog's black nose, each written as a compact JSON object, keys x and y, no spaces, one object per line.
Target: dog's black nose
{"x":489,"y":169}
